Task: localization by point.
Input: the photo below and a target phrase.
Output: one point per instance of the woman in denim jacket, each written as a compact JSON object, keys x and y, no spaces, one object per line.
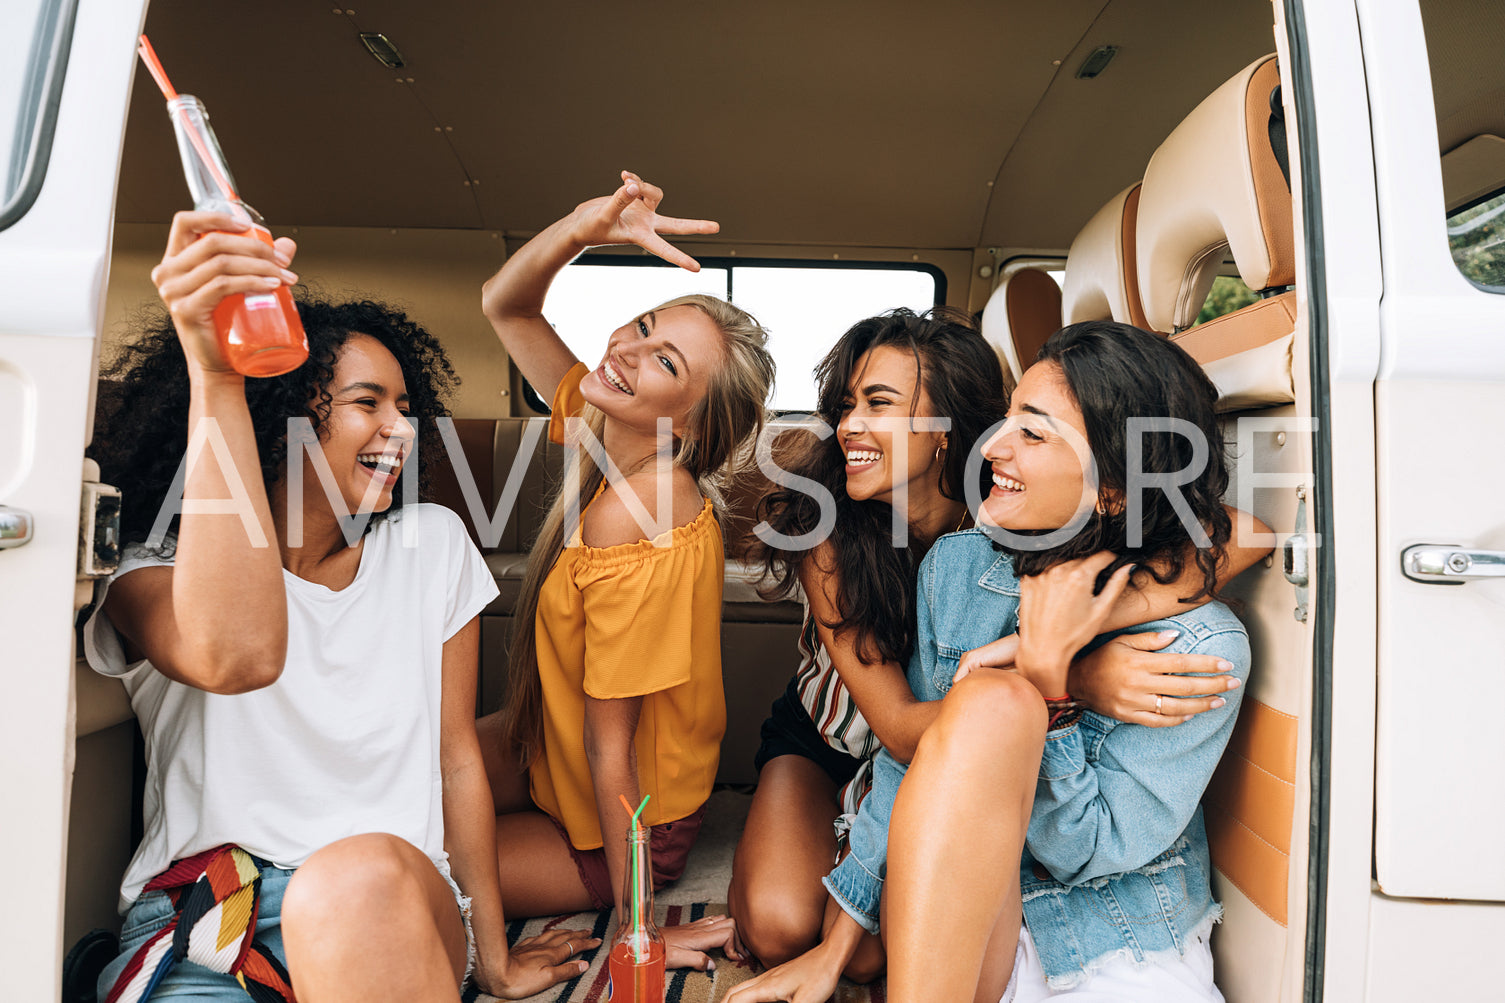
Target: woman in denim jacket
{"x":1038,"y":850}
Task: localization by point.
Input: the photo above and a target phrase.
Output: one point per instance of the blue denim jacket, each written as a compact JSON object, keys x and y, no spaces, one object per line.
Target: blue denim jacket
{"x":1116,"y":860}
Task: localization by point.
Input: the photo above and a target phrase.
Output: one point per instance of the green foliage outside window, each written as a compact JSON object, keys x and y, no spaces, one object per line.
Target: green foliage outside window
{"x":1476,"y":236}
{"x":1228,"y":294}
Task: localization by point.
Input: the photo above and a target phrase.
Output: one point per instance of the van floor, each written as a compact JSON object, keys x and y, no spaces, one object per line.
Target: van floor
{"x":708,"y":872}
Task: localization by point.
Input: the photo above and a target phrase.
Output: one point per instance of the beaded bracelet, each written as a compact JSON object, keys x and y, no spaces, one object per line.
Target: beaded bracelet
{"x":1064,"y":718}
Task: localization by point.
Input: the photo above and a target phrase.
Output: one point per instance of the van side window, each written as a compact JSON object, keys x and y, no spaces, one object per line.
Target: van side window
{"x":1228,"y":293}
{"x":1476,"y":236}
{"x":29,"y":93}
{"x":804,"y":305}
{"x":1463,"y":46}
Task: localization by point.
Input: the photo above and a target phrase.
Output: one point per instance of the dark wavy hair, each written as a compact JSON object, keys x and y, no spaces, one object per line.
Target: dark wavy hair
{"x":144,"y":427}
{"x":962,"y":377}
{"x":1116,"y":372}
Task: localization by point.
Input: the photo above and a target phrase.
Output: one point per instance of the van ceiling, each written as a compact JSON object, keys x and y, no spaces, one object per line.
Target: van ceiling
{"x":873,"y":123}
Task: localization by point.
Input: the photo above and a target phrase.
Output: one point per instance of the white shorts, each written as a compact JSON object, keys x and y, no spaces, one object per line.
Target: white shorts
{"x":1187,"y":979}
{"x":463,"y":901}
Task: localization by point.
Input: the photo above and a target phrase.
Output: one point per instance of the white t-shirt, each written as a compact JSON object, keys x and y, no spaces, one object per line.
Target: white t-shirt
{"x":345,"y":742}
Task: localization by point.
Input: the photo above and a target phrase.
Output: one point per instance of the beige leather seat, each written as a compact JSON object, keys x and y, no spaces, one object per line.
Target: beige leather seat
{"x":1214,"y":186}
{"x":1023,"y":311}
{"x":1102,"y":280}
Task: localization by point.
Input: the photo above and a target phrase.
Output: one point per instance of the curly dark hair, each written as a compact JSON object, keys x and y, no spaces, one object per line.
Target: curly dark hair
{"x":144,"y":428}
{"x":1116,"y":372}
{"x":962,"y":378}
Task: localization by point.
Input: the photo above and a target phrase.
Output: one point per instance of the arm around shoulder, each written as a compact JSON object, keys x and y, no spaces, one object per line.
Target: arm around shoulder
{"x":1116,"y":813}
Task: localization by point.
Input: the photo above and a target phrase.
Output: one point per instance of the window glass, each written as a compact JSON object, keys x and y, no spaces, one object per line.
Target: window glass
{"x":1476,"y":236}
{"x":1228,"y":293}
{"x":29,"y":88}
{"x":804,"y":307}
{"x":589,"y":301}
{"x":1464,"y":42}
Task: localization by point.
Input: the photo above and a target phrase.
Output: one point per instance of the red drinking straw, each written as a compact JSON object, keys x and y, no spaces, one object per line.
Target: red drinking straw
{"x":154,"y":66}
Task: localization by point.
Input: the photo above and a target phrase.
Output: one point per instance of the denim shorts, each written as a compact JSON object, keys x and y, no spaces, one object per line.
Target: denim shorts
{"x":188,"y":981}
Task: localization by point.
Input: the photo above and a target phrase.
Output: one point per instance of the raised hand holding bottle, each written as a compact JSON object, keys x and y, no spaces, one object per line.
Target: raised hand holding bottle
{"x":261,"y":333}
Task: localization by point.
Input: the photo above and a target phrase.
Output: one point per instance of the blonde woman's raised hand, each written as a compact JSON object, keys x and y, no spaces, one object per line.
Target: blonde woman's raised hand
{"x":630,"y":216}
{"x":210,"y":256}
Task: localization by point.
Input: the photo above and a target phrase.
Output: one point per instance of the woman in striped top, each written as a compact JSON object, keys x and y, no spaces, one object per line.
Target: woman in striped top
{"x":910,"y":398}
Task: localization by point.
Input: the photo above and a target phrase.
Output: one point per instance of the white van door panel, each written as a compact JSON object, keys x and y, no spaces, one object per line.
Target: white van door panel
{"x":1339,"y":283}
{"x":53,"y":266}
{"x":1439,"y":408}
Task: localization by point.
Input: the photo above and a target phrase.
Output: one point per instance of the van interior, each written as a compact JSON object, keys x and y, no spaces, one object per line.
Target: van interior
{"x":1038,"y":164}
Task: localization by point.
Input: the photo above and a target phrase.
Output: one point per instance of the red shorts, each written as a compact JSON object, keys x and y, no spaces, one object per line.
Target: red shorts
{"x":669,"y":843}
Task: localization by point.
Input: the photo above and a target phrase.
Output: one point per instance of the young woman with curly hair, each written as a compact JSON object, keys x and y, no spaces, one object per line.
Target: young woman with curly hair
{"x":300,"y":649}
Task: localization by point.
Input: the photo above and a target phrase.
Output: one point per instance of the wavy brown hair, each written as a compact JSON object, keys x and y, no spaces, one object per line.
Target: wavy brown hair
{"x":1116,"y":372}
{"x":961,"y":375}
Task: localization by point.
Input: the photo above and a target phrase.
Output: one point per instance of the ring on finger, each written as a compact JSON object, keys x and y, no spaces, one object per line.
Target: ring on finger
{"x":1159,"y":699}
{"x":569,"y":948}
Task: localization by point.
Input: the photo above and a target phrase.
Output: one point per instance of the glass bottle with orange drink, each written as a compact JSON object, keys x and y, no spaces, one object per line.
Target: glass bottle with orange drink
{"x":260,"y":333}
{"x":636,"y":960}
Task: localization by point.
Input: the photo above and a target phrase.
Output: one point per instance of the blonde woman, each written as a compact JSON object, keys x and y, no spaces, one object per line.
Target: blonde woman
{"x":616,"y":669}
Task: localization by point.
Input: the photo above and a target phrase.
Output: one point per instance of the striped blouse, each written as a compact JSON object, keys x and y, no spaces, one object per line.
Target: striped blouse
{"x":835,"y":715}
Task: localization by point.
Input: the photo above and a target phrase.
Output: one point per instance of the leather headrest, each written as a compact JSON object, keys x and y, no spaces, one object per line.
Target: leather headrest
{"x":1101,"y":272}
{"x":1214,"y":186}
{"x":1021,"y":314}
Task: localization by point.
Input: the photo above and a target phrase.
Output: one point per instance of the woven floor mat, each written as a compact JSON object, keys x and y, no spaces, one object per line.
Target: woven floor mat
{"x":683,"y":986}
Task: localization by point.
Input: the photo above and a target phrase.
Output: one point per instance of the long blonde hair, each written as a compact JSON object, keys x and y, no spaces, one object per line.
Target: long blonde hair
{"x":717,"y":428}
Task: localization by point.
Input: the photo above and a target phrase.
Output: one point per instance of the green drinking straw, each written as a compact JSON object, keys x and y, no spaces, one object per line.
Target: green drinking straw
{"x":634,"y":877}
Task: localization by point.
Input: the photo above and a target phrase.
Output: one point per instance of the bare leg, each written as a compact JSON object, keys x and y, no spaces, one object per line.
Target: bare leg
{"x":538,"y":875}
{"x":958,"y":829}
{"x":787,"y":846}
{"x":509,"y":781}
{"x":998,"y":958}
{"x":370,"y":917}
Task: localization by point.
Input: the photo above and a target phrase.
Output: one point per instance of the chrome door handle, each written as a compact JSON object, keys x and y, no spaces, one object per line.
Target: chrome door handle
{"x":15,"y":527}
{"x":1431,"y":564}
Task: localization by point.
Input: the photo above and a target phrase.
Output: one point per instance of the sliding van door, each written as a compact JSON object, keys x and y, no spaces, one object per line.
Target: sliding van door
{"x":63,"y":93}
{"x":1440,"y":412}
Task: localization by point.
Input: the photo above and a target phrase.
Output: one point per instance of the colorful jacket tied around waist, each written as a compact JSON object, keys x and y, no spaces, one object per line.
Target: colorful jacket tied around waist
{"x":216,"y":895}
